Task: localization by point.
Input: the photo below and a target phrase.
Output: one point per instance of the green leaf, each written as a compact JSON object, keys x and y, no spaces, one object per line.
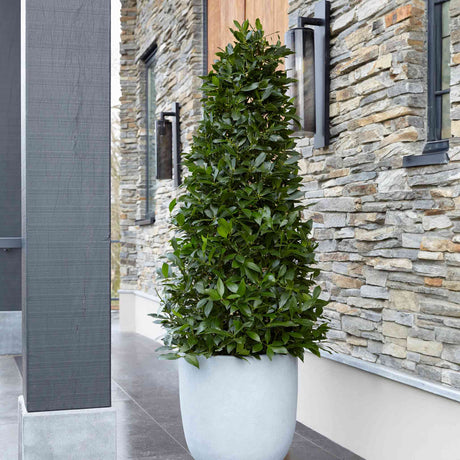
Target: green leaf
{"x":201,"y":303}
{"x":260,"y":159}
{"x":251,"y":87}
{"x":280,"y":350}
{"x":232,"y":287}
{"x":193,"y":360}
{"x":172,"y":204}
{"x":245,"y":310}
{"x":270,"y":353}
{"x":284,"y":298}
{"x":169,"y":356}
{"x":241,"y":288}
{"x":165,"y":270}
{"x":253,"y":336}
{"x":214,"y":294}
{"x":253,"y":267}
{"x":220,"y":287}
{"x":208,"y":308}
{"x":224,"y":228}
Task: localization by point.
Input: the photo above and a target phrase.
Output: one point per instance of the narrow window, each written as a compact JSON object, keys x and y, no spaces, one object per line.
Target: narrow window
{"x":435,"y":151}
{"x":151,"y":160}
{"x":438,"y":71}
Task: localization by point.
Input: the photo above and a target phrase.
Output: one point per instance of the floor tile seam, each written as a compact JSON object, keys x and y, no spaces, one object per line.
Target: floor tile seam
{"x":319,"y":447}
{"x":151,"y":417}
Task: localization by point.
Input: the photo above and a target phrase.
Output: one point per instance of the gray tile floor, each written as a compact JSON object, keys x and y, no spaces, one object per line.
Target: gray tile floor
{"x":145,"y":394}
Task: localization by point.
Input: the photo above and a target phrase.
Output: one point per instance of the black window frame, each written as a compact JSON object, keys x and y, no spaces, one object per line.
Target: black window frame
{"x":436,"y":148}
{"x":148,"y":58}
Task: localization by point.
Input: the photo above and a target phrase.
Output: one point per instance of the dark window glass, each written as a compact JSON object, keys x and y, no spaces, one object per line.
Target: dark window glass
{"x":151,"y":137}
{"x":439,"y":70}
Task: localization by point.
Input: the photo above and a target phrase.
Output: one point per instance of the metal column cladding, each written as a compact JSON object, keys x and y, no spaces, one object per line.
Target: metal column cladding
{"x":66,"y":203}
{"x":10,"y":156}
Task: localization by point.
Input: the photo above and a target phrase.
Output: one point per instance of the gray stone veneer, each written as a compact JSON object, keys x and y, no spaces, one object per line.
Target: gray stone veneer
{"x":389,"y":237}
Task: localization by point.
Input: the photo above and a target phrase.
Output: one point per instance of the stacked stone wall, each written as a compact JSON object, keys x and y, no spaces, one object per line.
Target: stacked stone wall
{"x":389,"y":237}
{"x":175,"y":27}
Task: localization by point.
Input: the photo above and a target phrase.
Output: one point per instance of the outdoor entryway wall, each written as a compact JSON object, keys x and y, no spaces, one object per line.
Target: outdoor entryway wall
{"x":389,"y":236}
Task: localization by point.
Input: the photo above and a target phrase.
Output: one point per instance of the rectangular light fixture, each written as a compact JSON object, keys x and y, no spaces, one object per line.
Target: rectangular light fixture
{"x":164,"y":150}
{"x":168,"y":146}
{"x":309,"y":65}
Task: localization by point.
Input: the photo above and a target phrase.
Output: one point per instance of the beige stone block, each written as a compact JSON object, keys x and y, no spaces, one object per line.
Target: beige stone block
{"x":435,"y":222}
{"x":395,"y":350}
{"x":344,"y":94}
{"x":455,"y":128}
{"x":405,"y":135}
{"x":403,"y":300}
{"x":375,"y":235}
{"x":391,"y":329}
{"x":399,"y":14}
{"x":433,"y":282}
{"x":442,"y":193}
{"x":346,"y":282}
{"x":313,"y":167}
{"x":427,"y":255}
{"x":333,"y":191}
{"x":395,"y":265}
{"x":379,"y":117}
{"x":451,"y":285}
{"x":439,"y":244}
{"x":365,"y":217}
{"x":361,"y":189}
{"x":334,"y":109}
{"x":358,"y":341}
{"x":342,"y":21}
{"x":424,"y":347}
{"x":360,"y":35}
{"x":342,"y":308}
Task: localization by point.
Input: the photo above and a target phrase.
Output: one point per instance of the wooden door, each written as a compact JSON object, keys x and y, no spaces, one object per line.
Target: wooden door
{"x":221,"y":13}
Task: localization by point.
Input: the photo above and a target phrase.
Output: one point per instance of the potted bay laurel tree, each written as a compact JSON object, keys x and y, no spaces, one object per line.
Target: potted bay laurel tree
{"x":240,"y":302}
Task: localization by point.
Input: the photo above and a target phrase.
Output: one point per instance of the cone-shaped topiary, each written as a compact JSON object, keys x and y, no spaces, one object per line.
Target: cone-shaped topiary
{"x":241,"y":279}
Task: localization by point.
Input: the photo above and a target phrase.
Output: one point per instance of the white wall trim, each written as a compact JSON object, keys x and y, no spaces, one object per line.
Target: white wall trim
{"x":135,"y":306}
{"x":394,"y":374}
{"x":155,"y":298}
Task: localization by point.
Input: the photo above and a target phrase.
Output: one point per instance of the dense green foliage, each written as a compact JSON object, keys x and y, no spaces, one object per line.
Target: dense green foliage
{"x":240,"y":280}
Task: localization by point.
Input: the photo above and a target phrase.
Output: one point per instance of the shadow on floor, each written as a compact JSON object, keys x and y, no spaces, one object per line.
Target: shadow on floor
{"x":146,"y":395}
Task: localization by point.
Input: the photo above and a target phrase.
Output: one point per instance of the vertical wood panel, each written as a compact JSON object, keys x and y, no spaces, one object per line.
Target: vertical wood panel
{"x":272,"y":13}
{"x":221,"y":14}
{"x":10,"y":152}
{"x":66,"y":203}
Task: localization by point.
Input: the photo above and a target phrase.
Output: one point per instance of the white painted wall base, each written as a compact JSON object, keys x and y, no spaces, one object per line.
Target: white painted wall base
{"x":377,"y":418}
{"x":10,"y":332}
{"x":135,"y":307}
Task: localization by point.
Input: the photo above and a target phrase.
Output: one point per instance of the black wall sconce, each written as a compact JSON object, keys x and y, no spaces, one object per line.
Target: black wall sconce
{"x":168,"y":145}
{"x":309,"y":65}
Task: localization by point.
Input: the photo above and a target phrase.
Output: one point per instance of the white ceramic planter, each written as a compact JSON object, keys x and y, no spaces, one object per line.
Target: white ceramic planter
{"x":238,"y":410}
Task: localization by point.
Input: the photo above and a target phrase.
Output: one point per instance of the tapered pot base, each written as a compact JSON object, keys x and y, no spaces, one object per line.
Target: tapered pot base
{"x":239,"y":410}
